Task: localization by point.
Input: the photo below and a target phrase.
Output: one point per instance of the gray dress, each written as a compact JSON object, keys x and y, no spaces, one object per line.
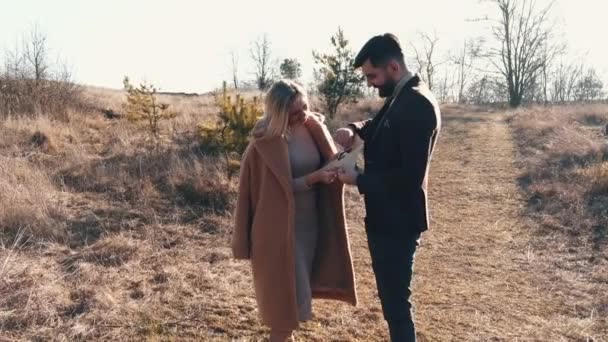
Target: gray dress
{"x":304,"y":158}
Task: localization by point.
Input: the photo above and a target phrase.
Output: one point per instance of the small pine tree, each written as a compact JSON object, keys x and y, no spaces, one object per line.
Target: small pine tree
{"x":338,"y":82}
{"x":291,"y":69}
{"x":230,"y":135}
{"x":143,"y":107}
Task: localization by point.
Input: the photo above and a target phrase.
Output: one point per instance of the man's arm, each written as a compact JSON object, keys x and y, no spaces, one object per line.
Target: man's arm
{"x":361,"y":128}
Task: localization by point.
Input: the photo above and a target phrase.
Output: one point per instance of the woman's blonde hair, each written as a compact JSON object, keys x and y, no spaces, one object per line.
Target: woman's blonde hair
{"x":278,"y":99}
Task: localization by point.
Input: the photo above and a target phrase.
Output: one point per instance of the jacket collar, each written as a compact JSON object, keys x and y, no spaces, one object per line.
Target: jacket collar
{"x":408,"y":82}
{"x":403,"y":82}
{"x":412,"y":82}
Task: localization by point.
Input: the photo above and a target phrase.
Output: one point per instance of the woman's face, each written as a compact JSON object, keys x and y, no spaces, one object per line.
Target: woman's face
{"x":297,"y":111}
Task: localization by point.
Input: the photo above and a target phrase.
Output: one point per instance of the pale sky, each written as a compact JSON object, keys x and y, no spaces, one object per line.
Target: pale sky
{"x":184,"y":45}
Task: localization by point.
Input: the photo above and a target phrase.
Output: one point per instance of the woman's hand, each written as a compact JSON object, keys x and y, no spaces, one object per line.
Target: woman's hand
{"x":327,"y":176}
{"x":322,"y":176}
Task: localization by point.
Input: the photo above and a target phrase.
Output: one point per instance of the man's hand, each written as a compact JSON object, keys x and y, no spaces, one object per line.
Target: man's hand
{"x":345,"y":137}
{"x":348,"y":176}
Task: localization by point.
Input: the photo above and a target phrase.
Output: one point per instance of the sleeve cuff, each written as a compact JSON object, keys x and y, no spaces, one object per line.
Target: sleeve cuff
{"x":354,"y":128}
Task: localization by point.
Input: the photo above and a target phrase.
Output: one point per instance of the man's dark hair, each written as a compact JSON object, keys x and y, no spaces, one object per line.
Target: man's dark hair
{"x":380,"y":50}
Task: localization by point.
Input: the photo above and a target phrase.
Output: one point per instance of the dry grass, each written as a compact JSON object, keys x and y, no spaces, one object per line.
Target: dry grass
{"x":349,"y":112}
{"x":28,"y":97}
{"x":564,"y":152}
{"x":183,"y":104}
{"x":128,"y":244}
{"x":29,"y":202}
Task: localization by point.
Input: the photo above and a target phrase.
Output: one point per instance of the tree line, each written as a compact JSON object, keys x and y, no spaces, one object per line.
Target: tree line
{"x":519,"y":59}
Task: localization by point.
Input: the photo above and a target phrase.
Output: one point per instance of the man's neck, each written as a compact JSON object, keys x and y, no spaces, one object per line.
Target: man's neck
{"x":405,"y":76}
{"x":401,"y":75}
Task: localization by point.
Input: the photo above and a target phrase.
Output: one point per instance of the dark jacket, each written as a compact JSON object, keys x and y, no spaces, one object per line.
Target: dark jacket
{"x":399,"y":142}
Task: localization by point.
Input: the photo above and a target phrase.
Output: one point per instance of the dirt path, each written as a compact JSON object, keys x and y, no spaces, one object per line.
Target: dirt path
{"x":476,"y":278}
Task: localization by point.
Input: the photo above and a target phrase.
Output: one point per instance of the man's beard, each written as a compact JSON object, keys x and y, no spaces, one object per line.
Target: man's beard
{"x":387,"y":89}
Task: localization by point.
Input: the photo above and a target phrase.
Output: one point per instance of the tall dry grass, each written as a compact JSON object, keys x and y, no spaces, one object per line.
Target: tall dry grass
{"x":29,"y":201}
{"x":563,"y":154}
{"x":91,"y":155}
{"x":349,"y":112}
{"x":84,"y":200}
{"x":20,"y":96}
{"x":565,"y":151}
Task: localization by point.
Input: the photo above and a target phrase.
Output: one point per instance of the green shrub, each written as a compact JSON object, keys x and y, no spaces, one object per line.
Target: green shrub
{"x":143,"y":107}
{"x":230,"y":135}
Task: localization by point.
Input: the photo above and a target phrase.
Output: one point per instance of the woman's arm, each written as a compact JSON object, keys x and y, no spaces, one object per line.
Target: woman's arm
{"x":320,"y":176}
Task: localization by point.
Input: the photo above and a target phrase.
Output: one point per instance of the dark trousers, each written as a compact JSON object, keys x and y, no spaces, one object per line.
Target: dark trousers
{"x":392,"y":261}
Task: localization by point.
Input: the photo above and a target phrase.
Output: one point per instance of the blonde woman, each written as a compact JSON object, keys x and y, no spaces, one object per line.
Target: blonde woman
{"x":289,"y":218}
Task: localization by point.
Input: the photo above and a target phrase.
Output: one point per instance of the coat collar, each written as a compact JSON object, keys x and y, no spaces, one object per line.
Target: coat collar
{"x":321,"y":136}
{"x":275,"y":153}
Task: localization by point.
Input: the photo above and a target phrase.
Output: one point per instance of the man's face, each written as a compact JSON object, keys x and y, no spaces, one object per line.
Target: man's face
{"x":379,"y":77}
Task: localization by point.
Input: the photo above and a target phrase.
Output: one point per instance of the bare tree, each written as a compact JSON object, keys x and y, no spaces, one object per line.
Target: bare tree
{"x":558,"y":84}
{"x":14,"y":64}
{"x":445,"y":86}
{"x":565,"y":78}
{"x":534,"y":92}
{"x":546,"y":74}
{"x":544,"y":77}
{"x":261,"y":55}
{"x":35,"y":53}
{"x":572,"y":78}
{"x":234,"y":68}
{"x":590,"y":87}
{"x":31,"y":84}
{"x":464,"y":60}
{"x":525,"y":42}
{"x":486,"y":89}
{"x":425,"y":57}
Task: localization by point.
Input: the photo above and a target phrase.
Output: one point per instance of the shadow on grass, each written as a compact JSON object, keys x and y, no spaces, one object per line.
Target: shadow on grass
{"x":179,"y":186}
{"x":555,"y":188}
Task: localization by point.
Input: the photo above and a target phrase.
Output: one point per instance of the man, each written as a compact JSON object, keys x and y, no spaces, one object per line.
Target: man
{"x":399,"y":142}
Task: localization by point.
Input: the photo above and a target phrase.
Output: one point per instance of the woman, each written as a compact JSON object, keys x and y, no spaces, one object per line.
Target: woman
{"x":289,"y":217}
